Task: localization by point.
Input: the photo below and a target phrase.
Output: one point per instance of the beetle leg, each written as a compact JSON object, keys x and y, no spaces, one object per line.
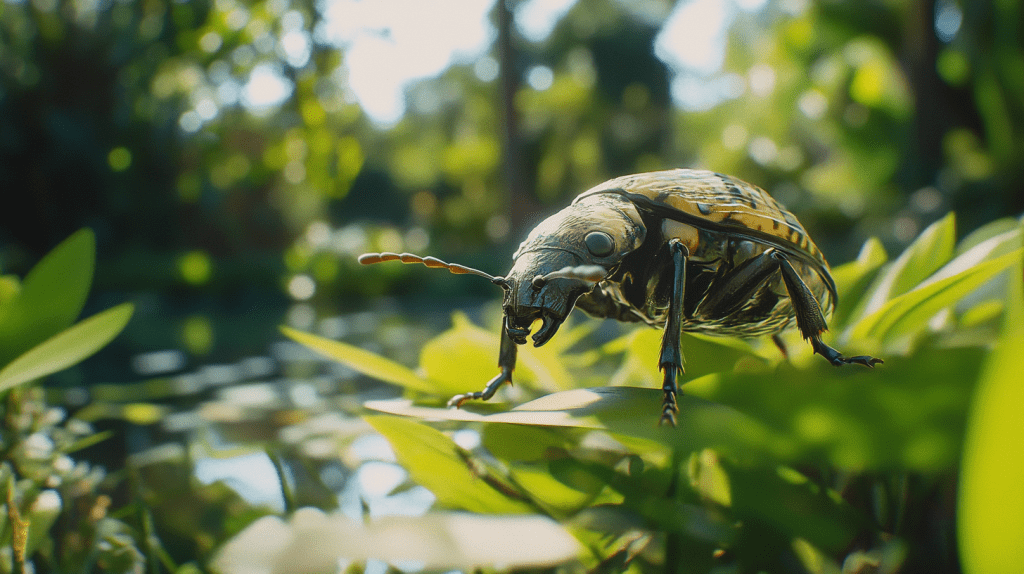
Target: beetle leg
{"x":671,"y":360}
{"x":507,"y":363}
{"x":810,"y":319}
{"x":736,"y":287}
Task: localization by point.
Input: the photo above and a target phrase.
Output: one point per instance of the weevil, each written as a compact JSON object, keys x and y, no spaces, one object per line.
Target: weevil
{"x":681,"y":250}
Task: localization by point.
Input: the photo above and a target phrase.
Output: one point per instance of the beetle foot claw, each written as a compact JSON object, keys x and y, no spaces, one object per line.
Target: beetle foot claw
{"x":667,"y":418}
{"x":505,"y":376}
{"x":865,"y":360}
{"x":457,"y":400}
{"x":836,"y":358}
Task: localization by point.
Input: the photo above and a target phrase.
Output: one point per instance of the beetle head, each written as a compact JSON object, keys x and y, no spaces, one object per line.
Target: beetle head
{"x":563,"y":258}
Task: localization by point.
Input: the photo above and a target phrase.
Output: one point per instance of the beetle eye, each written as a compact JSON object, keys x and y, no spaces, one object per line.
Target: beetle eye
{"x":599,"y":243}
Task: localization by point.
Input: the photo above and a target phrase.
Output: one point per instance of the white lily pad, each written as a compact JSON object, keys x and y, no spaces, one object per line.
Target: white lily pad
{"x":312,"y":541}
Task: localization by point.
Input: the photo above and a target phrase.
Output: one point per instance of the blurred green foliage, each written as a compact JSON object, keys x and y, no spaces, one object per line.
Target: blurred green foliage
{"x":42,"y":483}
{"x":137,"y":119}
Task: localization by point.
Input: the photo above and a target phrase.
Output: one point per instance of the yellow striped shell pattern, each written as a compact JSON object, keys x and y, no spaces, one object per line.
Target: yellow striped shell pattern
{"x":705,"y":210}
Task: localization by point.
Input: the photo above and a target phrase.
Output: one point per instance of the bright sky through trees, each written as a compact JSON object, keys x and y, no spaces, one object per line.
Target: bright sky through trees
{"x":387,"y":45}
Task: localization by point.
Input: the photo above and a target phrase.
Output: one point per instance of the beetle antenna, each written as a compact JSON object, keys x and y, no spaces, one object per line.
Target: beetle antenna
{"x":587,"y":273}
{"x":432,"y":262}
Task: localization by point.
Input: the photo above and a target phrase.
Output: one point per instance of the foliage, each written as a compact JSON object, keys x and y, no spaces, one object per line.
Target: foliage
{"x":867,"y":116}
{"x":991,"y":508}
{"x":43,"y":484}
{"x":775,"y":462}
{"x":144,"y":120}
{"x":36,"y":315}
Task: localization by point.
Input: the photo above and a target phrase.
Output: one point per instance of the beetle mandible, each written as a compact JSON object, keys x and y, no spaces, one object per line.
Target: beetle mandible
{"x":683,"y":250}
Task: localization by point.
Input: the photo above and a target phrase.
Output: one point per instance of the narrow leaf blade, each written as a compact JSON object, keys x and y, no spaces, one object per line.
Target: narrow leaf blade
{"x":852,"y":280}
{"x":51,"y":296}
{"x":361,"y":360}
{"x":67,"y":347}
{"x":923,"y":257}
{"x":911,"y":311}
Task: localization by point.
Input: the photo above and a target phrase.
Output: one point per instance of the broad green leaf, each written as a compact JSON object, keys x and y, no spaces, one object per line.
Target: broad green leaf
{"x":629,"y":411}
{"x":561,"y":495}
{"x":442,"y":467}
{"x":789,"y":504}
{"x":569,"y":337}
{"x":312,"y":541}
{"x":872,"y":255}
{"x":852,"y":280}
{"x":461,"y":359}
{"x":360,"y":360}
{"x":67,"y":347}
{"x":908,"y":413}
{"x":926,"y":254}
{"x":465,"y":357}
{"x":702,"y":355}
{"x":910,"y":312}
{"x":525,"y":443}
{"x":51,"y":296}
{"x":990,"y":517}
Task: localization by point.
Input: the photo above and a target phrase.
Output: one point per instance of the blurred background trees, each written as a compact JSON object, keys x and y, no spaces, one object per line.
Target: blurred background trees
{"x":203,"y":140}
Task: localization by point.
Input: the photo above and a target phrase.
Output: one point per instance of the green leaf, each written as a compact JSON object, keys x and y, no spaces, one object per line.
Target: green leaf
{"x":702,"y":355}
{"x":88,"y":440}
{"x":442,"y":467}
{"x":562,"y":493}
{"x":461,"y":359}
{"x":988,"y":231}
{"x":906,"y":414}
{"x":67,"y":347}
{"x":360,"y":360}
{"x":630,"y":411}
{"x":51,"y":296}
{"x":465,"y":357}
{"x":524,"y":443}
{"x":787,"y":503}
{"x":926,"y":254}
{"x":852,"y":280}
{"x":990,"y":517}
{"x":909,"y":313}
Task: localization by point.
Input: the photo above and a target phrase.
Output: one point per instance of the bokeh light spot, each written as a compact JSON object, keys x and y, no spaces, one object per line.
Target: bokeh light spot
{"x":197,"y":335}
{"x":119,"y":159}
{"x":301,"y":287}
{"x":195,"y":267}
{"x":210,"y":42}
{"x":540,"y":78}
{"x":267,"y":88}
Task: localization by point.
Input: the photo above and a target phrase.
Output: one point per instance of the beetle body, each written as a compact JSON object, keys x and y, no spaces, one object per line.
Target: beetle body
{"x":684,"y":250}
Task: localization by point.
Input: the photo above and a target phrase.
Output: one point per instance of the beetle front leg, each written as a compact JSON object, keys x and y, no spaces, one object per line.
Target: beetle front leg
{"x":810,"y":319}
{"x":506,"y":362}
{"x":671,"y":359}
